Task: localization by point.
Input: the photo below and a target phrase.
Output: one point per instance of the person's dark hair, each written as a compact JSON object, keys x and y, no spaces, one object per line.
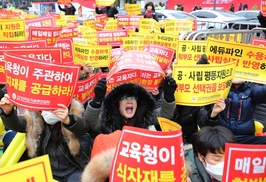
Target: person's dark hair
{"x":149,"y":4}
{"x":212,"y":139}
{"x":203,"y":59}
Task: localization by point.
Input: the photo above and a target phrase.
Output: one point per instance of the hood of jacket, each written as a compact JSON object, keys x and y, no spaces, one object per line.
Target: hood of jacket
{"x":35,"y":126}
{"x":145,"y":106}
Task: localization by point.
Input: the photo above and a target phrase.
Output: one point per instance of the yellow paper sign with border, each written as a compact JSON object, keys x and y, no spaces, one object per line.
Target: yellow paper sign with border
{"x":37,"y":169}
{"x":105,"y":2}
{"x":149,"y":25}
{"x":200,"y":85}
{"x":12,"y":30}
{"x":141,"y":35}
{"x":230,"y":37}
{"x":133,"y":9}
{"x":188,"y":51}
{"x":168,"y":125}
{"x":166,"y":40}
{"x":96,"y":56}
{"x":135,"y":43}
{"x":71,"y":18}
{"x":251,"y":59}
{"x":177,"y":26}
{"x":111,"y":25}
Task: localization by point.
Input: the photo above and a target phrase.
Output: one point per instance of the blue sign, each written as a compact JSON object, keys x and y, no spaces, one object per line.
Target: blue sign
{"x":47,"y":7}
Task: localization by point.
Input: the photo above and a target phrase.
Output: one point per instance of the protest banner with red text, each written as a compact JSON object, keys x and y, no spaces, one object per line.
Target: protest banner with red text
{"x":150,"y":80}
{"x":250,"y":60}
{"x":45,"y":33}
{"x":112,"y":37}
{"x":67,"y":50}
{"x":166,"y":40}
{"x":37,"y":85}
{"x":69,"y":32}
{"x":84,"y":89}
{"x":163,"y":55}
{"x":144,"y":155}
{"x":244,"y":163}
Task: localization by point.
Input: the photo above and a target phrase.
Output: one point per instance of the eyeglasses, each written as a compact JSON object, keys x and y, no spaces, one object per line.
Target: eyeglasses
{"x":126,"y":97}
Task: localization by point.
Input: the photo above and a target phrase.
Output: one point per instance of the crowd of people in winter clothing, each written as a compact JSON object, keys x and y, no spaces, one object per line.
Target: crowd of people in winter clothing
{"x":65,"y":134}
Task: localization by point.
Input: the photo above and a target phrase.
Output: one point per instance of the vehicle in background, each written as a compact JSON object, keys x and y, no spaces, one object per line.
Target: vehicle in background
{"x":173,"y":14}
{"x":218,"y":19}
{"x":249,"y":14}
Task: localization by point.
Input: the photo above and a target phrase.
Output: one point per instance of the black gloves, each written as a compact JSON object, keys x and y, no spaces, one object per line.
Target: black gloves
{"x":169,"y":88}
{"x":203,"y":59}
{"x":100,"y":90}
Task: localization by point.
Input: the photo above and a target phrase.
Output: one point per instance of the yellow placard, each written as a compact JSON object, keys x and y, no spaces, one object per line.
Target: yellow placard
{"x":168,"y":125}
{"x":141,"y":35}
{"x":178,"y":26}
{"x":111,"y":25}
{"x":105,"y":2}
{"x":71,"y":18}
{"x":96,"y":56}
{"x":135,"y":43}
{"x":149,"y":25}
{"x":37,"y":169}
{"x":202,"y":84}
{"x":251,"y":59}
{"x":89,"y":23}
{"x":12,"y":30}
{"x":190,"y":51}
{"x":166,"y":40}
{"x":133,"y":9}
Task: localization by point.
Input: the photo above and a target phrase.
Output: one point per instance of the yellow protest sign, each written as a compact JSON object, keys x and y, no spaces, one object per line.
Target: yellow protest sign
{"x":80,"y":41}
{"x":166,"y":40}
{"x":37,"y":169}
{"x":71,"y":18}
{"x":168,"y":125}
{"x":111,"y":25}
{"x":105,"y":2}
{"x":12,"y":30}
{"x":135,"y":43}
{"x":189,"y":50}
{"x":141,"y":35}
{"x":96,"y":56}
{"x":177,"y":26}
{"x":250,"y":59}
{"x":133,"y":9}
{"x":149,"y":25}
{"x":200,"y":85}
{"x":89,"y":23}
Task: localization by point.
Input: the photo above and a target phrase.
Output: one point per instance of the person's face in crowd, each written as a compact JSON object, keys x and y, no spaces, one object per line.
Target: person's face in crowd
{"x":128,"y":106}
{"x":236,"y":82}
{"x":69,"y":5}
{"x":213,"y":163}
{"x":149,"y":7}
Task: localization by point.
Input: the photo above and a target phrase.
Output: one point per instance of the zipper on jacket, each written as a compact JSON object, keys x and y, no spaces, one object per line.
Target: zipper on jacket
{"x":229,"y":107}
{"x":239,"y":109}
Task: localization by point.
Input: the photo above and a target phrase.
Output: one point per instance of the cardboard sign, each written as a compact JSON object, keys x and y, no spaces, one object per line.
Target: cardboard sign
{"x":37,"y":85}
{"x":144,"y":155}
{"x":46,"y":21}
{"x":244,"y":162}
{"x":37,"y":169}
